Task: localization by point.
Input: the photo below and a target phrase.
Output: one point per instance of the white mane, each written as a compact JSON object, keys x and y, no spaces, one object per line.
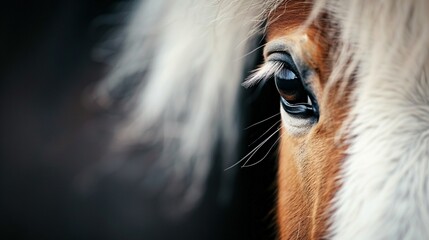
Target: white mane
{"x":385,"y":178}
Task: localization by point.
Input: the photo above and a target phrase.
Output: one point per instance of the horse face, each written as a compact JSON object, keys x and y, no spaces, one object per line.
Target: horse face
{"x":312,"y":113}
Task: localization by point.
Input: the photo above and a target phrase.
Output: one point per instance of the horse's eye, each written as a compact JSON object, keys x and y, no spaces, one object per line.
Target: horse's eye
{"x":295,"y":98}
{"x":290,"y":87}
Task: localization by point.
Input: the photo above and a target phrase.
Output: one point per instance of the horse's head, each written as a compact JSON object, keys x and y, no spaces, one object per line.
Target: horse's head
{"x":353,"y":146}
{"x":352,"y":78}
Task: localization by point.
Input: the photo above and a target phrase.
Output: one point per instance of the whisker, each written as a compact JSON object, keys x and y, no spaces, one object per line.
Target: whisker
{"x":252,"y":51}
{"x":259,"y":147}
{"x":269,"y":150}
{"x":251,"y":153}
{"x":265,"y":133}
{"x":266,"y":119}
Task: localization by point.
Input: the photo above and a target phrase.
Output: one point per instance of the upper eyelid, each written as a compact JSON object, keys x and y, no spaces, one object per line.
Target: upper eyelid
{"x":285,"y":46}
{"x":286,"y":59}
{"x":280,"y":45}
{"x":277,"y":56}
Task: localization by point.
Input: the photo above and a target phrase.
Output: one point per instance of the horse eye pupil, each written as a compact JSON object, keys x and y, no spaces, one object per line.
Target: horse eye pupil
{"x":290,"y":87}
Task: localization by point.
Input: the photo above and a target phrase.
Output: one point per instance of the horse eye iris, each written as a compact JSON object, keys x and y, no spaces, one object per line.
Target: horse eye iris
{"x":290,"y":87}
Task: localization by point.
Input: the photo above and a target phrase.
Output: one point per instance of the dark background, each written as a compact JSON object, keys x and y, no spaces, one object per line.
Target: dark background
{"x":49,"y":135}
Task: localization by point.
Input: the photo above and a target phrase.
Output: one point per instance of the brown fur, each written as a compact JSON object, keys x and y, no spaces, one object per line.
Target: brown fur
{"x":308,"y":164}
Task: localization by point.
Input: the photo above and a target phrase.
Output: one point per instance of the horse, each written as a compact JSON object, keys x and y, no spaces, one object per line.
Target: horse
{"x":115,"y":150}
{"x":352,"y":78}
